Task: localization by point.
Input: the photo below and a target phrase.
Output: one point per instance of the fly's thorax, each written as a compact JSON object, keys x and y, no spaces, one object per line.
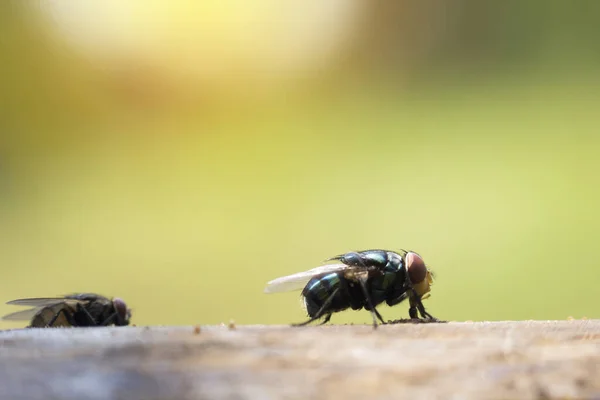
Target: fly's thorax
{"x":419,"y":275}
{"x":395,"y":261}
{"x":375,"y":257}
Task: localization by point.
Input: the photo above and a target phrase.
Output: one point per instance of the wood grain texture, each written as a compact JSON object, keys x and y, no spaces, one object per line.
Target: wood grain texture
{"x":525,"y":360}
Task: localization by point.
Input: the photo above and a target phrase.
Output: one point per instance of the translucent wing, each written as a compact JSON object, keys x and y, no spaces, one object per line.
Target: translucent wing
{"x":37,"y":301}
{"x":22,"y":315}
{"x":86,"y":297}
{"x":299,"y":280}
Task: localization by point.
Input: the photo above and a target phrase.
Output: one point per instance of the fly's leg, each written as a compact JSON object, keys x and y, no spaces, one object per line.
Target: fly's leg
{"x":91,"y":320}
{"x":306,"y":322}
{"x":379,"y":316}
{"x":416,"y":304}
{"x":412,"y":312}
{"x":321,"y":311}
{"x":109,"y":320}
{"x":397,"y":300}
{"x":422,"y":311}
{"x":326,"y":320}
{"x":68,"y":317}
{"x":362,"y":280}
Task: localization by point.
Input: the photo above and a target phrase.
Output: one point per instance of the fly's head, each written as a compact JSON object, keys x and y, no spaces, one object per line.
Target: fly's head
{"x":123,"y":313}
{"x":418,"y":273}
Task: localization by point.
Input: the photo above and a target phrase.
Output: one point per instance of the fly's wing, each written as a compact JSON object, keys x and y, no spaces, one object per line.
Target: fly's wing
{"x":38,"y":304}
{"x":299,"y":280}
{"x":22,"y":315}
{"x":341,"y":256}
{"x":37,"y":301}
{"x":374,"y":258}
{"x":399,"y":251}
{"x":91,"y":297}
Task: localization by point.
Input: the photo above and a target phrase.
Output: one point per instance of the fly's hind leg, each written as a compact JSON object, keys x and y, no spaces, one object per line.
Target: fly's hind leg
{"x":321,"y":311}
{"x":326,"y":320}
{"x":305,"y":322}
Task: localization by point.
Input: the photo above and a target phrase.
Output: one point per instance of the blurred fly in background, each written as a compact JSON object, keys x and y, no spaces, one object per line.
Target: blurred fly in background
{"x":194,"y":150}
{"x":75,"y":310}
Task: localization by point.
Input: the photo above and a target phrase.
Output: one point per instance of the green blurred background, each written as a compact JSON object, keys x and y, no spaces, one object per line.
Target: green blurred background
{"x":181,"y":155}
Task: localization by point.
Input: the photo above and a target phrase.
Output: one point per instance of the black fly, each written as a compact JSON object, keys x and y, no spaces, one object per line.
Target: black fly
{"x":74,"y":310}
{"x":362,"y":279}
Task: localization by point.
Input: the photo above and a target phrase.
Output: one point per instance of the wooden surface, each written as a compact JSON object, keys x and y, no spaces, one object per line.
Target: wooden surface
{"x":529,"y":359}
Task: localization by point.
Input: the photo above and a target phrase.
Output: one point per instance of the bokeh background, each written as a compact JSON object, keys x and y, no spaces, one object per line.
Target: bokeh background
{"x":181,"y":154}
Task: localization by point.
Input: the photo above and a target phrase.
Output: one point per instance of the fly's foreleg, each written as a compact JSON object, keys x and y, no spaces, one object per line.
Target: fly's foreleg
{"x":109,"y":320}
{"x":417,"y":305}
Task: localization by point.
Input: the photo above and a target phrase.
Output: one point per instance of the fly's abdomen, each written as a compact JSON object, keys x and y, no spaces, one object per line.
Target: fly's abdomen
{"x":46,"y":315}
{"x":318,"y":291}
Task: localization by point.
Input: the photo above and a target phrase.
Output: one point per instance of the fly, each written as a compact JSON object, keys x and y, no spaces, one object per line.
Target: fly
{"x":362,"y":279}
{"x":74,"y":310}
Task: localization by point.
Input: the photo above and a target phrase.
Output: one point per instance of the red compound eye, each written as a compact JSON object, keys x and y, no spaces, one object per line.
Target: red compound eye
{"x":121,"y":309}
{"x":417,"y":271}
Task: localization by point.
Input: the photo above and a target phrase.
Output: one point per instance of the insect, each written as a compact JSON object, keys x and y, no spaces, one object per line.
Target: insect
{"x":362,"y":279}
{"x":74,"y":310}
